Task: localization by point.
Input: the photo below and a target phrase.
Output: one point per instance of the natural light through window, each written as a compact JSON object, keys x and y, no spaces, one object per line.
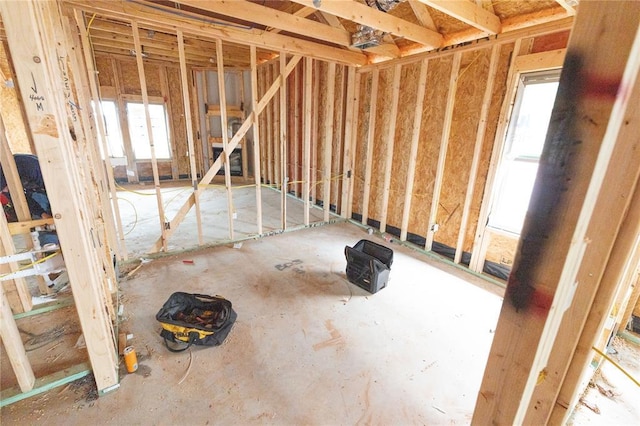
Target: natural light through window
{"x":138,"y":130}
{"x":525,"y":139}
{"x":112,"y":127}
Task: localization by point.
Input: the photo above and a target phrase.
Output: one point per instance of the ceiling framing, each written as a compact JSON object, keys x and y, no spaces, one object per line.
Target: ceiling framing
{"x":320,"y":29}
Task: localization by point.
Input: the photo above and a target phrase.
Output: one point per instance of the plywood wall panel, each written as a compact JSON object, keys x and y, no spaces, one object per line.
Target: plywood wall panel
{"x":177,"y":120}
{"x":502,"y":249}
{"x":383,"y":120}
{"x":471,"y":85}
{"x":105,"y":71}
{"x":497,"y":98}
{"x":321,"y":80}
{"x":131,"y":81}
{"x":429,"y":146}
{"x":402,"y":142}
{"x":10,"y":110}
{"x":338,"y":134}
{"x":362,"y":128}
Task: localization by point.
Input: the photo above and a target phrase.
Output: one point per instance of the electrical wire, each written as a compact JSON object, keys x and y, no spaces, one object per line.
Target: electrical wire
{"x":135,"y":212}
{"x":615,"y":364}
{"x":30,"y":264}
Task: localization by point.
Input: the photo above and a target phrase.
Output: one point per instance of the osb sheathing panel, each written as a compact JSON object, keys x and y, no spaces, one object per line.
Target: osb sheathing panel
{"x":321,"y":80}
{"x":508,"y":9}
{"x":502,"y":249}
{"x":472,"y":80}
{"x":402,"y":142}
{"x":362,"y":128}
{"x":10,"y":110}
{"x":337,"y":147}
{"x":130,"y":83}
{"x":383,"y":121}
{"x":105,"y":71}
{"x":497,"y":98}
{"x":446,"y":24}
{"x":177,"y":120}
{"x":548,"y":42}
{"x":429,"y":145}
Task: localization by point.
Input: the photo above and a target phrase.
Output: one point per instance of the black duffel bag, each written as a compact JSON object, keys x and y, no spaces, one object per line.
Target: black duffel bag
{"x":195,"y":319}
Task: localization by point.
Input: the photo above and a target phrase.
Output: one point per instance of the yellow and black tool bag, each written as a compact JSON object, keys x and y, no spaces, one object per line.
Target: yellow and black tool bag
{"x":195,"y":319}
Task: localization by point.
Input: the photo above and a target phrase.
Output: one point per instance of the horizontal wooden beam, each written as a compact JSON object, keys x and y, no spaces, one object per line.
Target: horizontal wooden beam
{"x":365,"y":15}
{"x":469,"y":13}
{"x":273,"y":18}
{"x":167,"y":19}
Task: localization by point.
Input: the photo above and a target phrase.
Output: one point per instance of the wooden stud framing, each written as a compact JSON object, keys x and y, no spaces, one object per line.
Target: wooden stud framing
{"x":283,"y":141}
{"x":308,"y":125}
{"x":277,"y":124}
{"x":226,"y":151}
{"x":164,"y":92}
{"x":481,"y":239}
{"x":349,"y":136}
{"x":477,"y":151}
{"x":296,"y":132}
{"x":190,"y":141}
{"x":352,"y":143}
{"x":328,"y":140}
{"x":13,"y":342}
{"x":315,"y":116}
{"x":391,"y":136}
{"x":257,"y":171}
{"x":570,"y":221}
{"x":154,"y":161}
{"x":30,"y":28}
{"x":217,"y":164}
{"x":338,"y":133}
{"x":370,"y":142}
{"x":132,"y":167}
{"x":207,"y":125}
{"x":17,"y":292}
{"x":263,"y":127}
{"x":269,"y":138}
{"x":415,"y":138}
{"x":444,"y":143}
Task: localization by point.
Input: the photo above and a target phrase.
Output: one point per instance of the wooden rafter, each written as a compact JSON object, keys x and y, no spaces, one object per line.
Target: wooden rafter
{"x":365,"y":15}
{"x":164,"y":19}
{"x":468,"y":13}
{"x":274,"y":18}
{"x":422,"y":14}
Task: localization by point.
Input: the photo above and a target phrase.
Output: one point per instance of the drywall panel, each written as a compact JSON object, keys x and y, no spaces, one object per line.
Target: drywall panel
{"x":471,"y":85}
{"x":402,"y":142}
{"x":429,"y":146}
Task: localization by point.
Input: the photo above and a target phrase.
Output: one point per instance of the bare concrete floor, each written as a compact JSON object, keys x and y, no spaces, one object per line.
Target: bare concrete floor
{"x":308,"y":347}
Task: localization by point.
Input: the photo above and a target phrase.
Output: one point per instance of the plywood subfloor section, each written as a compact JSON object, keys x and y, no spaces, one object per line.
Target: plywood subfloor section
{"x":307,"y":348}
{"x":139,"y":212}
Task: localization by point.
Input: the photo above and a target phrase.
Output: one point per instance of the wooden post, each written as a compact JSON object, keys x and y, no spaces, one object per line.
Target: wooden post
{"x":328,"y":140}
{"x":225,"y":136}
{"x":269,"y":138}
{"x":352,"y":142}
{"x":154,"y":161}
{"x":315,"y":117}
{"x":349,"y":135}
{"x":308,"y":127}
{"x":391,"y":136}
{"x":477,"y":151}
{"x":338,"y":133}
{"x":370,"y":141}
{"x":190,"y":141}
{"x":415,"y":138}
{"x":442,"y":156}
{"x":256,"y":138}
{"x":283,"y":140}
{"x":30,"y":28}
{"x":277,"y":161}
{"x":13,"y":345}
{"x":296,"y":132}
{"x":587,"y":174}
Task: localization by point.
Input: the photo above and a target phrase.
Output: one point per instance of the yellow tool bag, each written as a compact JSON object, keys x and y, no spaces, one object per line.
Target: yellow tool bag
{"x":195,"y":319}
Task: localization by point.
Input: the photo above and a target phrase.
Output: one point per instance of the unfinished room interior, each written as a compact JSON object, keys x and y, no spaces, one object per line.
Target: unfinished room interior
{"x":420,"y":211}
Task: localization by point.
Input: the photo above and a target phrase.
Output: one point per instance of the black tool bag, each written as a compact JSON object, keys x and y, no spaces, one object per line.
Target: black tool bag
{"x":195,"y":319}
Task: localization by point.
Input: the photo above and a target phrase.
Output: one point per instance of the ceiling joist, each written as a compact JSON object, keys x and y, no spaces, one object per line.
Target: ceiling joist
{"x":365,"y":15}
{"x":167,"y":20}
{"x":468,"y":13}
